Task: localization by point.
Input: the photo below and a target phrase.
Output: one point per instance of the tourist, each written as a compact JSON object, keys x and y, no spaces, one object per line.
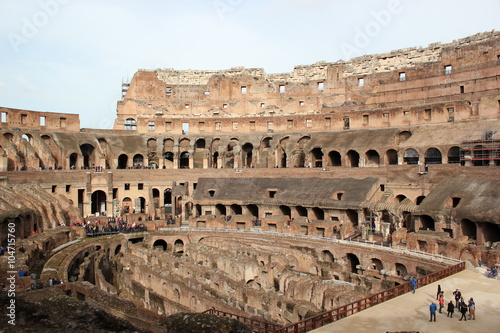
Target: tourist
{"x":472,"y":309}
{"x":463,"y":309}
{"x":458,"y":295}
{"x":413,"y":284}
{"x":451,"y":309}
{"x":441,"y":302}
{"x":438,"y":292}
{"x":22,"y":273}
{"x":432,"y":309}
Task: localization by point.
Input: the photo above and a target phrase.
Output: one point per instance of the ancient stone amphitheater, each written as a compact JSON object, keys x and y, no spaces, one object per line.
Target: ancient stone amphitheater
{"x":271,"y":197}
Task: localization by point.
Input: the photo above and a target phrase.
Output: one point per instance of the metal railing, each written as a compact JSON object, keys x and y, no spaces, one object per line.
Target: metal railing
{"x":343,"y":311}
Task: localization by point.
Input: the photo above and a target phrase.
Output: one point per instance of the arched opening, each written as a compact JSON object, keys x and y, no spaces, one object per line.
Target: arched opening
{"x":352,"y":262}
{"x":73,"y":158}
{"x":353,"y":158}
{"x":236,"y":209}
{"x":419,"y":199}
{"x":229,"y":158}
{"x":167,"y":201}
{"x":285,"y":210}
{"x":27,"y":137}
{"x":491,"y":232}
{"x":248,"y":155}
{"x":433,"y":156}
{"x":160,"y":244}
{"x":377,"y":264}
{"x":391,"y":157}
{"x":400,"y":198}
{"x":215,"y":159}
{"x":220,"y":210}
{"x":156,"y":198}
{"x":327,"y":256}
{"x":301,"y":211}
{"x":372,"y":158}
{"x":352,"y":216}
{"x":142,"y":202}
{"x":410,"y":156}
{"x":253,"y":210}
{"x":427,"y":222}
{"x":179,"y":246}
{"x":454,"y":155}
{"x":127,"y":205}
{"x":469,"y":229}
{"x":335,"y":158}
{"x":122,"y":161}
{"x":200,"y":144}
{"x":401,"y":270}
{"x":87,"y":150}
{"x":319,"y":213}
{"x":138,"y":161}
{"x":98,"y":203}
{"x":316,"y":158}
{"x":130,"y":124}
{"x":403,"y":136}
{"x":118,"y":248}
{"x":184,"y":160}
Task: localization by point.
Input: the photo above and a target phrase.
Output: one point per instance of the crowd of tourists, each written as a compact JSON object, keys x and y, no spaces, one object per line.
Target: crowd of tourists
{"x":467,"y":310}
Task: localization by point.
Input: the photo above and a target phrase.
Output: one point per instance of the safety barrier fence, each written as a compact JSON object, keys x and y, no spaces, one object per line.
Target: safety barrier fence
{"x":343,"y":311}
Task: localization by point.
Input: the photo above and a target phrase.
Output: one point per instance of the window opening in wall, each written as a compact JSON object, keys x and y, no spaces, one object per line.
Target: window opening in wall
{"x":243,"y":90}
{"x":451,"y":114}
{"x":218,"y":126}
{"x":282,"y":88}
{"x":427,"y":114}
{"x":168,"y":126}
{"x":406,"y":115}
{"x":455,"y":201}
{"x":3,"y":117}
{"x":366,"y":119}
{"x":24,"y":119}
{"x":224,"y":106}
{"x":262,"y":105}
{"x":185,"y":128}
{"x":347,"y":123}
{"x":43,"y":119}
{"x":235,"y":125}
{"x":328,"y":121}
{"x":270,"y":126}
{"x":361,"y":82}
{"x":382,"y":187}
{"x":301,"y":103}
{"x":62,"y":122}
{"x":115,"y":193}
{"x":151,"y":125}
{"x":272,"y":193}
{"x":68,"y":188}
{"x":150,"y":106}
{"x":252,"y":125}
{"x":140,"y":186}
{"x":187,"y":106}
{"x":289,"y":123}
{"x":211,"y":193}
{"x":321,"y":85}
{"x":462,"y":89}
{"x":386,"y":117}
{"x":201,"y":126}
{"x":54,"y":188}
{"x":168,"y":91}
{"x":447,"y":69}
{"x":126,"y":187}
{"x":130,"y":124}
{"x":308,"y":122}
{"x":207,"y":93}
{"x":498,"y":59}
{"x":402,"y":76}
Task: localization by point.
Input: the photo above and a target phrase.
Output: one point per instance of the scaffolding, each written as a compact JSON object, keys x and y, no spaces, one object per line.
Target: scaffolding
{"x":481,"y":152}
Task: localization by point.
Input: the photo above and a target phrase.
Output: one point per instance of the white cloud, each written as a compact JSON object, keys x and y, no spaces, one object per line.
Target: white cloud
{"x":25,"y":85}
{"x":3,"y":85}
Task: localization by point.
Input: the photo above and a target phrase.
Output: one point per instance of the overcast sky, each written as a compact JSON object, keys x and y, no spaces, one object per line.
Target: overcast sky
{"x":72,"y":55}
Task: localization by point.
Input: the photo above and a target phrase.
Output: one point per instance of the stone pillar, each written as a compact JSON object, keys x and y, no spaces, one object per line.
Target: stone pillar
{"x":365,"y":228}
{"x":116,"y":208}
{"x":385,"y":228}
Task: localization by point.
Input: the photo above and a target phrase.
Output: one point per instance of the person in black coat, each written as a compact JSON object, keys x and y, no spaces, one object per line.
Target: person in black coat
{"x":463,"y":309}
{"x":451,"y":309}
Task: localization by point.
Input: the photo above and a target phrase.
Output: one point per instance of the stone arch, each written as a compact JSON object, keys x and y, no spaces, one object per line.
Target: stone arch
{"x":127,"y":205}
{"x":401,"y":270}
{"x":403,"y":136}
{"x":167,"y":200}
{"x":352,"y":216}
{"x":142,"y":202}
{"x":353,"y":158}
{"x":138,"y":161}
{"x":335,"y":158}
{"x":433,"y":156}
{"x":316,"y":157}
{"x":410,"y":156}
{"x":248,"y":155}
{"x":400,"y":198}
{"x":391,"y":157}
{"x":236,"y":209}
{"x":179,"y":246}
{"x":327,"y":256}
{"x":168,"y":160}
{"x":372,"y":158}
{"x":118,"y":249}
{"x":130,"y":124}
{"x":184,"y":160}
{"x":220,"y":210}
{"x":160,"y":244}
{"x":73,"y":160}
{"x":419,"y":199}
{"x":285,"y":210}
{"x":376,"y":264}
{"x":87,"y":153}
{"x":352,"y":262}
{"x":454,"y":155}
{"x":230,"y":154}
{"x":319,"y":213}
{"x":301,"y":211}
{"x":122,"y":161}
{"x":427,"y":222}
{"x":156,"y":198}
{"x":491,"y":232}
{"x":253,"y":210}
{"x":98,"y":202}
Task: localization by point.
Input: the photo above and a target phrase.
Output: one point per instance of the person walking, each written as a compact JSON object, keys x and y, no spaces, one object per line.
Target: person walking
{"x":438,"y":292}
{"x":413,"y":284}
{"x":472,"y":309}
{"x":463,"y":309}
{"x":458,"y":295}
{"x":451,"y":309}
{"x":432,"y":310}
{"x":441,"y":302}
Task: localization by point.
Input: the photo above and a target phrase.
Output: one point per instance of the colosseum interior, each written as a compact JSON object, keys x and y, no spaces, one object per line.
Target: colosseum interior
{"x":274,"y":197}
